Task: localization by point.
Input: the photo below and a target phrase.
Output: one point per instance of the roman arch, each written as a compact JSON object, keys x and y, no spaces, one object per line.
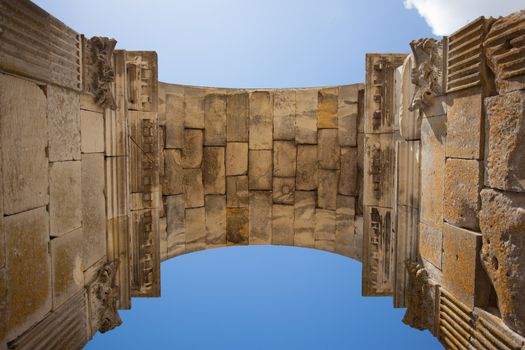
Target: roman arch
{"x":419,"y":173}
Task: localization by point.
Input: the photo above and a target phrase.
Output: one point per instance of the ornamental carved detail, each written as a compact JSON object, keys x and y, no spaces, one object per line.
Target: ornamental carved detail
{"x":98,"y":70}
{"x":427,"y":75}
{"x":420,"y":297}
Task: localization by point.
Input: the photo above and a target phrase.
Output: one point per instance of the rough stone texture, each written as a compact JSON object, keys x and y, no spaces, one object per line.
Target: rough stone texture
{"x":408,"y":173}
{"x":325,"y":230}
{"x":175,"y":120}
{"x":261,"y":116}
{"x":328,"y":152}
{"x":502,"y":222}
{"x":345,"y":238}
{"x":163,"y":238}
{"x":283,"y":224}
{"x":237,"y":111}
{"x":193,"y":149}
{"x":284,"y":115}
{"x":260,"y":221}
{"x":347,"y":115}
{"x":463,"y":181}
{"x":327,"y":191}
{"x":304,"y":218}
{"x":307,"y":173}
{"x":215,"y":120}
{"x":195,"y":229}
{"x":348,"y":178}
{"x":63,"y":121}
{"x":213,"y":172}
{"x":92,"y":132}
{"x":24,"y":142}
{"x":378,"y":172}
{"x":431,"y":243}
{"x":93,"y":208}
{"x":506,"y":149}
{"x":464,"y":125}
{"x":237,"y":226}
{"x":65,"y":212}
{"x":175,"y":224}
{"x":283,"y":190}
{"x":236,"y":158}
{"x":328,"y":100}
{"x":306,"y":116}
{"x":193,"y":188}
{"x":237,"y":191}
{"x":215,"y":220}
{"x":409,"y":118}
{"x":284,"y":158}
{"x":193,"y":108}
{"x":67,"y":266}
{"x":260,"y":170}
{"x":172,"y":181}
{"x":29,"y":294}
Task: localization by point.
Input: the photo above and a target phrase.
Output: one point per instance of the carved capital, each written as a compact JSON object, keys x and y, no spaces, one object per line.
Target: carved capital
{"x":427,"y":75}
{"x":420,"y":297}
{"x":98,"y":69}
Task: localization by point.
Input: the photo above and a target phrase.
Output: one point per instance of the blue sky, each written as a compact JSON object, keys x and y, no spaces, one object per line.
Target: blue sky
{"x":257,"y":297}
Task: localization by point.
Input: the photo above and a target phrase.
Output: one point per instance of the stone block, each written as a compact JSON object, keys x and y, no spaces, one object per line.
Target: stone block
{"x":463,"y":181}
{"x":236,"y":158}
{"x":24,"y":142}
{"x":237,"y":191}
{"x":283,"y":190}
{"x":92,"y":132}
{"x":284,"y":158}
{"x":378,"y":172}
{"x":215,"y":120}
{"x":163,"y":238}
{"x":304,"y":218}
{"x":67,"y":266}
{"x":195,"y":229}
{"x":215,"y":220}
{"x":175,"y":210}
{"x":213,"y":172}
{"x":175,"y":120}
{"x":194,"y":107}
{"x":306,"y":116}
{"x":260,"y":120}
{"x":344,"y":227}
{"x":260,"y":221}
{"x":63,"y":122}
{"x":328,"y":101}
{"x":431,"y":243}
{"x":506,"y":141}
{"x":237,"y":110}
{"x":65,"y":212}
{"x":465,"y":125}
{"x":284,"y":115}
{"x":347,"y":111}
{"x":307,"y":174}
{"x":29,"y":292}
{"x":327,"y":191}
{"x":193,"y":188}
{"x":282,"y":224}
{"x":93,"y":208}
{"x":328,"y":151}
{"x":237,"y":226}
{"x":406,"y":247}
{"x":193,"y":149}
{"x":260,"y":170}
{"x":325,"y":229}
{"x":409,"y":121}
{"x":348,"y":178}
{"x":408,"y":168}
{"x":172,"y":181}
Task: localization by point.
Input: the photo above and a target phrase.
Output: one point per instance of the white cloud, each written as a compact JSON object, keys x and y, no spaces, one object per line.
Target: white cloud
{"x":447,"y":16}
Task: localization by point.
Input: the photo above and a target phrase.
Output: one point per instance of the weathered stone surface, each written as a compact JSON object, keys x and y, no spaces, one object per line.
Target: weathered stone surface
{"x":306,"y":116}
{"x":237,"y":226}
{"x":406,"y":247}
{"x":283,"y":190}
{"x":93,"y":208}
{"x":163,"y":238}
{"x":260,"y":221}
{"x":237,"y":111}
{"x":175,"y":120}
{"x":236,"y":158}
{"x":283,"y":224}
{"x":65,"y":212}
{"x":193,"y":149}
{"x":215,"y":120}
{"x":463,"y":181}
{"x":421,"y":298}
{"x":431,"y":243}
{"x":347,"y":115}
{"x":327,"y":191}
{"x":378,"y":172}
{"x":325,"y":229}
{"x":24,"y":143}
{"x":408,"y":169}
{"x":506,"y":148}
{"x":237,"y":191}
{"x":348,"y":178}
{"x":195,"y":229}
{"x":193,"y":188}
{"x":345,"y":237}
{"x":328,"y":100}
{"x":29,"y":293}
{"x":328,"y":151}
{"x":261,"y":116}
{"x":92,"y":132}
{"x":67,"y":266}
{"x":175,"y":209}
{"x":3,"y":307}
{"x":260,"y":170}
{"x":172,"y":181}
{"x":63,"y":113}
{"x":409,"y":118}
{"x":304,"y":218}
{"x":284,"y":158}
{"x":502,"y":222}
{"x":464,"y":125}
{"x":215,"y":220}
{"x":284,"y":115}
{"x":307,"y":175}
{"x":193,"y":108}
{"x":213,"y":172}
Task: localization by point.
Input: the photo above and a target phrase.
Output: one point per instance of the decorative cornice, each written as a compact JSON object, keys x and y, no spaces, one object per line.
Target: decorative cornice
{"x":420,"y":298}
{"x":427,"y":75}
{"x":98,"y":69}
